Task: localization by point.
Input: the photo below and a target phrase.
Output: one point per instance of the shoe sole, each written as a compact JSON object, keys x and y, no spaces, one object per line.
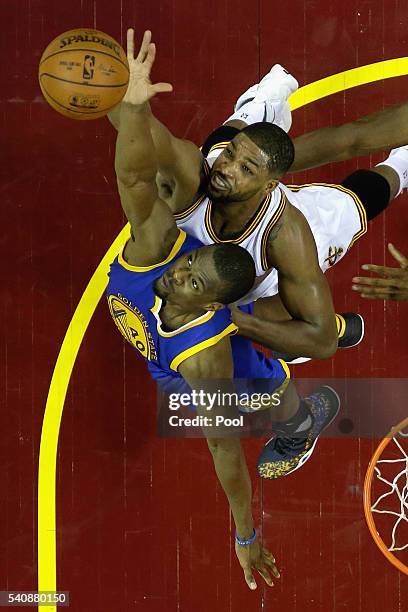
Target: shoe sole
{"x":250,"y":93}
{"x":307,"y":455}
{"x":361,"y":337}
{"x":296,"y":360}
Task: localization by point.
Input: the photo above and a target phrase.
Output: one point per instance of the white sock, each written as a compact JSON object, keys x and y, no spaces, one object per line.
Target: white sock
{"x":251,"y":112}
{"x":398,"y":161}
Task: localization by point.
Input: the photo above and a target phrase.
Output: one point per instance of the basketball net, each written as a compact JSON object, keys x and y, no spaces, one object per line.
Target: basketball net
{"x":396,"y":493}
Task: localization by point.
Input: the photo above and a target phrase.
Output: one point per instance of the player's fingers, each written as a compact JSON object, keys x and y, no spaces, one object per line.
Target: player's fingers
{"x":373,"y":282}
{"x":265,"y":574}
{"x":375,"y":293}
{"x":249,"y":579}
{"x":270,"y":562}
{"x":377,"y":296}
{"x":382,"y":270}
{"x":144,"y":47}
{"x":130,"y":44}
{"x":150,"y":57}
{"x":162,"y":87}
{"x":402,"y":260}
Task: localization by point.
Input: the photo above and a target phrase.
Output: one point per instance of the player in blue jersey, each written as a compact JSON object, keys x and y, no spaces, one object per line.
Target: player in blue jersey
{"x":167,"y":296}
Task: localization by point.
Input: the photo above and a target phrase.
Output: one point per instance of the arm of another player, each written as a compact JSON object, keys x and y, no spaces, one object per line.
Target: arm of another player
{"x":392,"y":284}
{"x":136,"y":166}
{"x":304,"y":293}
{"x":370,"y":134}
{"x":215,"y":363}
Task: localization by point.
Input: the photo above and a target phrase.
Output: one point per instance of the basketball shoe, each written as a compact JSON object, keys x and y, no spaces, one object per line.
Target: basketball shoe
{"x":282,"y":455}
{"x":351,"y":332}
{"x":273,"y":91}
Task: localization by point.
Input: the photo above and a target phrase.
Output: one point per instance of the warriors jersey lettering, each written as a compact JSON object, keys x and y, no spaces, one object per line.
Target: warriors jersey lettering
{"x":336,"y":217}
{"x":135,"y":309}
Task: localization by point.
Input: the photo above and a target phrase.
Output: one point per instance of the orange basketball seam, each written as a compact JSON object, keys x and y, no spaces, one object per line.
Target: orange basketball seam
{"x":76,"y":82}
{"x":87,"y":50}
{"x":71,"y":110}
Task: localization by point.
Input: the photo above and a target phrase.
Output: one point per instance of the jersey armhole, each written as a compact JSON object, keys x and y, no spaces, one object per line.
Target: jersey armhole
{"x":201,"y":346}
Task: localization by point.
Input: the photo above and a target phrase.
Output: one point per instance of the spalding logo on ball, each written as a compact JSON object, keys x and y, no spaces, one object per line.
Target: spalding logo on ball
{"x":83,"y":74}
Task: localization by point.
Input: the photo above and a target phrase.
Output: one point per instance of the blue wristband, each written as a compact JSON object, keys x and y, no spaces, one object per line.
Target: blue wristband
{"x":251,"y":540}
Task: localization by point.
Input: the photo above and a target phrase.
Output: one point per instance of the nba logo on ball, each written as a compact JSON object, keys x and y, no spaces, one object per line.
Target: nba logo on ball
{"x":83,"y":74}
{"x":89,"y":63}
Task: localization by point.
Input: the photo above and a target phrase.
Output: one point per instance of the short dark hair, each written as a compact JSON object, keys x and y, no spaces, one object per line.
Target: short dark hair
{"x":274,"y":142}
{"x":236,"y":269}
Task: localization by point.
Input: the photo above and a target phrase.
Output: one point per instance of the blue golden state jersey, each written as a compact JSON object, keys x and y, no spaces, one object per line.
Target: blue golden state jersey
{"x":135,"y":309}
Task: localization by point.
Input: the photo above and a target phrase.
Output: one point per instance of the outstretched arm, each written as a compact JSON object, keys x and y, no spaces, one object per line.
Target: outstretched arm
{"x":153,"y":228}
{"x":229,"y":460}
{"x":383,"y":130}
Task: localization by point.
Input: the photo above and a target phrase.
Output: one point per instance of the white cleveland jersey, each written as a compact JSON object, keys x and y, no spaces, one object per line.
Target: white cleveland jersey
{"x":336,"y":217}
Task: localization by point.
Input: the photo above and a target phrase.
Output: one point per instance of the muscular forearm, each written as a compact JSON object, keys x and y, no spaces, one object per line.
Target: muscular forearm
{"x":231,"y":468}
{"x":370,"y":134}
{"x":135,"y":155}
{"x":163,"y":139}
{"x":294,"y":337}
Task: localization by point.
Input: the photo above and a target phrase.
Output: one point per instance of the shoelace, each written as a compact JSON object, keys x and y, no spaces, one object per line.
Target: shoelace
{"x":282,"y":445}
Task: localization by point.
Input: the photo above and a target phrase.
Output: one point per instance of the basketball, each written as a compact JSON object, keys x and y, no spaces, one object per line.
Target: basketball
{"x":83,"y":74}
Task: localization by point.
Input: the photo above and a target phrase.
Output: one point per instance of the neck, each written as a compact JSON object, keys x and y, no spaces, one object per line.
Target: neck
{"x":233,"y":216}
{"x":243,"y":208}
{"x":174,"y":316}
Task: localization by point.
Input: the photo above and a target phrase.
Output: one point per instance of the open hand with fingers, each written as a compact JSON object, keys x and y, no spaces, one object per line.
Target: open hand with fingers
{"x":140,"y":88}
{"x":392,"y":284}
{"x":255,"y":557}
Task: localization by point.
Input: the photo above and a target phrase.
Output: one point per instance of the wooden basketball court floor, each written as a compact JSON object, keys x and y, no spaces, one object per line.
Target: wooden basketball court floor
{"x":140,"y":521}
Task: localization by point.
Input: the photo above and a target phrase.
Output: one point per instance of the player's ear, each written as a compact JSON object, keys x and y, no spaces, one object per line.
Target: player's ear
{"x":213,"y":306}
{"x":271,"y":185}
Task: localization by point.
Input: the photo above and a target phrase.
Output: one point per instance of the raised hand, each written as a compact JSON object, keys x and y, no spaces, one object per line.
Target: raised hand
{"x":392,"y":284}
{"x":254,"y":557}
{"x":140,"y":88}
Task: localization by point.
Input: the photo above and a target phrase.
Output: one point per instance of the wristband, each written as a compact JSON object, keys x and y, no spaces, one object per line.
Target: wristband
{"x":250,"y":540}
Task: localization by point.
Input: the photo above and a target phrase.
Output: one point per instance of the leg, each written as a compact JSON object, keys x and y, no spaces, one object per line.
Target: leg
{"x":376,"y":132}
{"x":296,"y":436}
{"x":264,"y":101}
{"x":378,"y":186}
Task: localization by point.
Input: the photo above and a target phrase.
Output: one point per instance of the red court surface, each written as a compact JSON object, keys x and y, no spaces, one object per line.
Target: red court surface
{"x":142,"y":523}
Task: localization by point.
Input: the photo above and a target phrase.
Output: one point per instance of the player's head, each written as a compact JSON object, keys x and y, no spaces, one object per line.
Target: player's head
{"x":207,"y":278}
{"x":253,"y":162}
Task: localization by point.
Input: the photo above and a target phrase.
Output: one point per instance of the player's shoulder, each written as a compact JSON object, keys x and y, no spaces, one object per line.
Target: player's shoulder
{"x":290,"y":240}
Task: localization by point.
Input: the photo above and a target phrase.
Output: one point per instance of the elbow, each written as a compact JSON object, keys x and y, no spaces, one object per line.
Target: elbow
{"x":326,"y":346}
{"x":131,"y":178}
{"x":326,"y":351}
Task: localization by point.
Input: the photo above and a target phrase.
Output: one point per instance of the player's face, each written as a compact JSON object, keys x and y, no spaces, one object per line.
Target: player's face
{"x":240,"y":172}
{"x":191,"y":282}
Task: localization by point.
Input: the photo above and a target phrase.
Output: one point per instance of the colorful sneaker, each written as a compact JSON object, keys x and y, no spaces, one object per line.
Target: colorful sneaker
{"x":283,"y":455}
{"x":273,"y":90}
{"x":351,"y":332}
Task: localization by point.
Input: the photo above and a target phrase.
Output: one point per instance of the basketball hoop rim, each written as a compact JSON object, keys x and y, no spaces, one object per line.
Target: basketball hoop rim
{"x":367,"y":498}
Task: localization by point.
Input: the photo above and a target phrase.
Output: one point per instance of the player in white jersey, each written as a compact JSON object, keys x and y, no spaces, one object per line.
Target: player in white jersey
{"x":242,"y":185}
{"x":335,"y":216}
